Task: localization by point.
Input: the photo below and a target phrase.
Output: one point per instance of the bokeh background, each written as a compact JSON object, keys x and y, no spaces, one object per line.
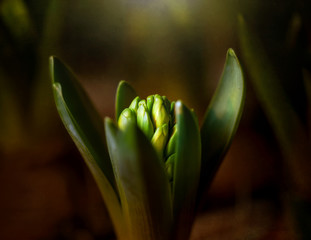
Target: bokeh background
{"x":174,"y":48}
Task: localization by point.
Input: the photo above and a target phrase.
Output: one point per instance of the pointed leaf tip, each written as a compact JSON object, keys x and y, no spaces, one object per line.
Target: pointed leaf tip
{"x":124,"y":96}
{"x":86,"y":128}
{"x":51,"y":60}
{"x":54,"y":63}
{"x":51,"y":68}
{"x":231,"y":52}
{"x":178,"y":107}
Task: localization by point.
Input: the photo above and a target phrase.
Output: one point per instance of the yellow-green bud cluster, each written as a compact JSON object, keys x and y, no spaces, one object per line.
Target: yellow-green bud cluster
{"x":156,"y":118}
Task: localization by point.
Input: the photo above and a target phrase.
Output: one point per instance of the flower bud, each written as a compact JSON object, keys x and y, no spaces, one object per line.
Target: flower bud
{"x":150,"y":100}
{"x":166,"y":103}
{"x":171,"y":145}
{"x":155,"y":117}
{"x":134,"y":104}
{"x":160,"y":116}
{"x":159,"y":139}
{"x":127,"y":116}
{"x":143,"y":120}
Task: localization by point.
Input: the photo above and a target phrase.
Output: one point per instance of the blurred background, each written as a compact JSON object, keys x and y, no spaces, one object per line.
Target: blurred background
{"x":174,"y":48}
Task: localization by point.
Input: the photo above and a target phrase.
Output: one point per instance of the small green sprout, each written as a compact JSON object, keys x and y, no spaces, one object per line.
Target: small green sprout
{"x":152,"y":163}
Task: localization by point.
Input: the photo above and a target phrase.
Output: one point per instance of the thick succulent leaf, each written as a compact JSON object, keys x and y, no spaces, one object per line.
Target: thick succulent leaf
{"x":83,"y":122}
{"x":186,"y":170}
{"x":124,"y":97}
{"x":142,"y":183}
{"x":87,"y":131}
{"x":221,"y":118}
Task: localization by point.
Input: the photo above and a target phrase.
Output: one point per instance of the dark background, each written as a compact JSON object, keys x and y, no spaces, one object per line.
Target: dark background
{"x":174,"y":48}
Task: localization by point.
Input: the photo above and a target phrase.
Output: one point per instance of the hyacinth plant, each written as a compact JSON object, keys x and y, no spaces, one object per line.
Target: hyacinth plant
{"x":152,"y":163}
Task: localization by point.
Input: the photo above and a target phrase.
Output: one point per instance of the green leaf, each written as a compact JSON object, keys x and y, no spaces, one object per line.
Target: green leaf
{"x":124,"y":97}
{"x":186,"y":170}
{"x":80,"y":116}
{"x":222,"y":118}
{"x":142,"y":183}
{"x":87,"y":131}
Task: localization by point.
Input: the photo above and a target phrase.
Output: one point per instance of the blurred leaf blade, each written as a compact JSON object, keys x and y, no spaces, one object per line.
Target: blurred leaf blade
{"x":279,"y":110}
{"x":142,"y":183}
{"x":267,"y":84}
{"x":48,"y":44}
{"x":222,"y":118}
{"x":186,"y":170}
{"x":16,"y":17}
